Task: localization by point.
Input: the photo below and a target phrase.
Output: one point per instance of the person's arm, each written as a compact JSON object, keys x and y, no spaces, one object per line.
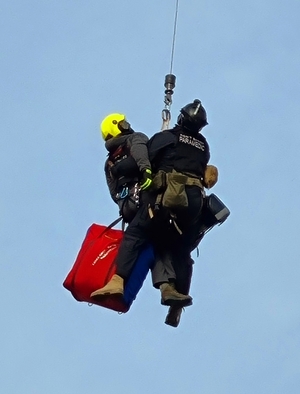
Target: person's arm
{"x":139,"y":151}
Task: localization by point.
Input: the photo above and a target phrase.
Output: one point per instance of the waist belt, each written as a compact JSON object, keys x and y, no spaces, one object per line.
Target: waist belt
{"x":161,"y":179}
{"x":190,"y":181}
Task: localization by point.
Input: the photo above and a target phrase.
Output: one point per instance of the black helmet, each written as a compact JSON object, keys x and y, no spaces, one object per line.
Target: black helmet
{"x":192,"y":116}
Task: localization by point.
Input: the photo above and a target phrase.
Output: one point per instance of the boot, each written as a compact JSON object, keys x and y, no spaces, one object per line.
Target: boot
{"x":114,"y":287}
{"x":171,"y":297}
{"x":173,"y":316}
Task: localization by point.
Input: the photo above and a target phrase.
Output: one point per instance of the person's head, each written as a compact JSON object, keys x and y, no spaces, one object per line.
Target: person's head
{"x":113,"y":125}
{"x":192,"y":117}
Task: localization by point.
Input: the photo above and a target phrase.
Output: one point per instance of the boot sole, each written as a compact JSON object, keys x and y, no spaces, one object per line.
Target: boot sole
{"x":177,"y":303}
{"x":103,"y":298}
{"x":107,"y":294}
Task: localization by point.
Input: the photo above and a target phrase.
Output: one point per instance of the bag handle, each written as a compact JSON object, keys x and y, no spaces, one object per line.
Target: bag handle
{"x":111,"y":225}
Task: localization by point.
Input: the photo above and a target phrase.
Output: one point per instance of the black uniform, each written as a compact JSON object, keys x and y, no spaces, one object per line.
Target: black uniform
{"x":186,"y":153}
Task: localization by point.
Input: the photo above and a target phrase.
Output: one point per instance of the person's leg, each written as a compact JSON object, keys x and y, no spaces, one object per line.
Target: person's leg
{"x":163,"y":271}
{"x":163,"y":277}
{"x":134,"y":240}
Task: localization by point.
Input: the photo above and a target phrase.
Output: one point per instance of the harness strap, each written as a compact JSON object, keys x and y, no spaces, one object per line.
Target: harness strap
{"x":193,"y":182}
{"x":158,"y":201}
{"x":175,"y":224}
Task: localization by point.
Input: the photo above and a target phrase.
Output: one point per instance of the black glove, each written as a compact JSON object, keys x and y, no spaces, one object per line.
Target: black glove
{"x":146,"y":180}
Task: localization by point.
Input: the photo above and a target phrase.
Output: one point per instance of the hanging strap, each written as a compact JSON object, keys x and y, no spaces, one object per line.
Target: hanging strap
{"x":111,"y":225}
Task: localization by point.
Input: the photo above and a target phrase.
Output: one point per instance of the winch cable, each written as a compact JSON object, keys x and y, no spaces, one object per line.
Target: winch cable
{"x":170,"y":78}
{"x":174,"y":36}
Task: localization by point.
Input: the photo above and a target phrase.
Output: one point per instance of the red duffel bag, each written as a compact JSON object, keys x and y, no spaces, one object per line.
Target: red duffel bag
{"x":94,"y":266}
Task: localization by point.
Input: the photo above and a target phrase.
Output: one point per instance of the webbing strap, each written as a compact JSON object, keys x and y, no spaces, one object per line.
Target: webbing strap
{"x":111,"y":225}
{"x":193,"y":182}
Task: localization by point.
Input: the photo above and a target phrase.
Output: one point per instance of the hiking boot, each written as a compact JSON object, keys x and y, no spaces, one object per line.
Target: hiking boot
{"x":173,"y":316}
{"x":114,"y":287}
{"x":171,"y":297}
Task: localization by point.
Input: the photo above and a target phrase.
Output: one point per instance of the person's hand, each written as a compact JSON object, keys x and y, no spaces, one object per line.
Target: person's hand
{"x":146,"y":180}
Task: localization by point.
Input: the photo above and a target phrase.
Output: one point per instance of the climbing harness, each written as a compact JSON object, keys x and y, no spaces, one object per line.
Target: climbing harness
{"x":128,"y":200}
{"x":170,"y":80}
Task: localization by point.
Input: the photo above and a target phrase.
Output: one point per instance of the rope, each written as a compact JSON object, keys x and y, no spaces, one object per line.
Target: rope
{"x":174,"y":35}
{"x":170,"y":79}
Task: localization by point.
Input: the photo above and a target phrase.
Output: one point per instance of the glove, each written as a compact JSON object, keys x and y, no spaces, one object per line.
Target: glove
{"x":210,"y":176}
{"x":146,"y":180}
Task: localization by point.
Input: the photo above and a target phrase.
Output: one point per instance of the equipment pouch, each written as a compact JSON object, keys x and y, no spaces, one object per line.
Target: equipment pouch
{"x":175,"y":196}
{"x":159,"y":182}
{"x":214,"y":212}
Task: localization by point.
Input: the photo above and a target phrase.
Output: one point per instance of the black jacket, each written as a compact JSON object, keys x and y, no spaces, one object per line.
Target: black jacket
{"x":178,"y":148}
{"x":127,"y":159}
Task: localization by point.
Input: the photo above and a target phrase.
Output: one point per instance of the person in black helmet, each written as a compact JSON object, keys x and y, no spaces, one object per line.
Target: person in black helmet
{"x":169,"y":211}
{"x":179,"y":158}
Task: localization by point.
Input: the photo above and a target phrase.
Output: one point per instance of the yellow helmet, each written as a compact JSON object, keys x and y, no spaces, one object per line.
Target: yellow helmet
{"x":113,"y":125}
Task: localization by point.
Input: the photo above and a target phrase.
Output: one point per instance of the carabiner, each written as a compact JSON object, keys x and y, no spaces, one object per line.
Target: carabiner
{"x":124,"y":193}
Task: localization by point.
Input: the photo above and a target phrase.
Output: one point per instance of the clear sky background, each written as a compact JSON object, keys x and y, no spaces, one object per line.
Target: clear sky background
{"x":64,"y":66}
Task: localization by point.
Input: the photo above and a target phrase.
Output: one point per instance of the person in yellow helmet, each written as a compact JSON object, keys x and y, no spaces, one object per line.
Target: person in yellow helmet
{"x":127,"y":168}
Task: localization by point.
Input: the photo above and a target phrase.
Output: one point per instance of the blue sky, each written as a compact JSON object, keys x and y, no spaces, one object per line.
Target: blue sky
{"x":64,"y":66}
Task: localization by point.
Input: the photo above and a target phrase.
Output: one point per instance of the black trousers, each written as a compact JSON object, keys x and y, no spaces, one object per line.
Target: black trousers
{"x":164,"y":237}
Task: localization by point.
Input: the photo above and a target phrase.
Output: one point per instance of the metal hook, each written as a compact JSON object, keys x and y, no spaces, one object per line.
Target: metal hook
{"x":166,"y":117}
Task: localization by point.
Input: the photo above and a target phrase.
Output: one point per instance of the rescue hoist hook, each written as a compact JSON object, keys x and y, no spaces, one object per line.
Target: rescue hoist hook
{"x":170,"y":80}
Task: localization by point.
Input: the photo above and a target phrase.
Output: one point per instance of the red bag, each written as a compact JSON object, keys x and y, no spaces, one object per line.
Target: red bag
{"x":94,"y":266}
